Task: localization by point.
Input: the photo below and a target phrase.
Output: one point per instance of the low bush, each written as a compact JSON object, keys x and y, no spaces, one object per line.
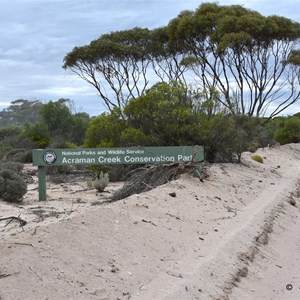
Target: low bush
{"x":13,"y":166}
{"x":12,"y":186}
{"x":19,"y":155}
{"x":257,"y":158}
{"x":290,"y":132}
{"x":101,"y":182}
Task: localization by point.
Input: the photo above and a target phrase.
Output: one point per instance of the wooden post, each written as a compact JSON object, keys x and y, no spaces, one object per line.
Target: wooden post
{"x":42,"y":183}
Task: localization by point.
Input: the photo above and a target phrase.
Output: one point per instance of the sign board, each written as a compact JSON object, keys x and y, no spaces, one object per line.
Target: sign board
{"x":110,"y":156}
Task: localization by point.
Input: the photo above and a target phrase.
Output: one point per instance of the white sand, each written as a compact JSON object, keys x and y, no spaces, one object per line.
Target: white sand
{"x":233,"y":236}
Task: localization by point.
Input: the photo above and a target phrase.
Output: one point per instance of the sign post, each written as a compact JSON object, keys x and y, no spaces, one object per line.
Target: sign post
{"x":110,"y":156}
{"x":42,"y":183}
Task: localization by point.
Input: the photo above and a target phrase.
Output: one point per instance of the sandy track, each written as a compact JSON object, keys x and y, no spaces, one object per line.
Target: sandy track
{"x":208,"y":242}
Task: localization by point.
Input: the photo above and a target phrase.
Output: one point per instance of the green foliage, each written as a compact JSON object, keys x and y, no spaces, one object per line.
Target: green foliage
{"x":7,"y":132}
{"x":257,"y":158}
{"x":289,"y":132}
{"x":236,"y":51}
{"x":14,"y":139}
{"x":80,"y":123}
{"x":168,"y":114}
{"x":58,"y":126}
{"x":294,"y":58}
{"x":54,"y":127}
{"x":164,"y":114}
{"x":20,"y":155}
{"x":135,"y":137}
{"x":21,"y":112}
{"x":8,"y":136}
{"x":105,"y":130}
{"x":12,"y":185}
{"x":38,"y":134}
{"x":69,"y":145}
{"x":15,"y":167}
{"x":225,"y":137}
{"x":118,"y":58}
{"x":57,"y":117}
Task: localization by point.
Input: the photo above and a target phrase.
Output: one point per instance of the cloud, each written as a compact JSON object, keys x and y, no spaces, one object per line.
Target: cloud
{"x":66,"y":91}
{"x":37,"y":34}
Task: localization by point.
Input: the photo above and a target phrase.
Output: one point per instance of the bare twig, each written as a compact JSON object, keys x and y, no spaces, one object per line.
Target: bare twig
{"x":174,"y":275}
{"x":36,"y":274}
{"x":173,"y":216}
{"x":229,"y":209}
{"x":150,"y":222}
{"x":4,"y":275}
{"x":147,"y":178}
{"x":79,"y":191}
{"x":140,"y":287}
{"x":23,"y":244}
{"x":21,"y":221}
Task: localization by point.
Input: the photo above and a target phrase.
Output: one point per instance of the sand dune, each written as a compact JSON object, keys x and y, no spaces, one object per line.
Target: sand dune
{"x":236,"y":235}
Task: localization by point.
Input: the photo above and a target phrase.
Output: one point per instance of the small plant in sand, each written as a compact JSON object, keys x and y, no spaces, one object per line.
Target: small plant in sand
{"x":90,"y":184}
{"x":101,"y":182}
{"x":257,"y":158}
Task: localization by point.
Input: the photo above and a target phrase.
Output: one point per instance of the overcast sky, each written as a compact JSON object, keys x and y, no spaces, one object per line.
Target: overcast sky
{"x":35,"y":35}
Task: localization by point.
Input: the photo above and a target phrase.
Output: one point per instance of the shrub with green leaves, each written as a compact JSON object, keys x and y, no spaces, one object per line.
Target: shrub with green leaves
{"x":163,"y":116}
{"x":105,"y":130}
{"x":13,"y":166}
{"x":12,"y":185}
{"x":38,"y":134}
{"x":135,"y":136}
{"x":290,"y":132}
{"x":20,"y":155}
{"x":225,"y":137}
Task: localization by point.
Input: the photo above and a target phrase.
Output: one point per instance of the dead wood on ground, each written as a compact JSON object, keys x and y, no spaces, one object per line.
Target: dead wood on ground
{"x":21,"y":221}
{"x":147,"y":178}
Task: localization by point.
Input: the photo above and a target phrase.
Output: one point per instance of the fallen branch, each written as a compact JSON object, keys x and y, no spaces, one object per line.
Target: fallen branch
{"x":23,"y":244}
{"x":4,"y":275}
{"x":173,"y":216}
{"x":229,"y":209}
{"x":174,"y":275}
{"x":79,"y":191}
{"x":150,"y":222}
{"x":147,"y":178}
{"x":21,"y":221}
{"x":140,"y":287}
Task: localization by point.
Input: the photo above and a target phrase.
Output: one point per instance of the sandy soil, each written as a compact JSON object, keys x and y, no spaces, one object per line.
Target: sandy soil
{"x":236,"y":235}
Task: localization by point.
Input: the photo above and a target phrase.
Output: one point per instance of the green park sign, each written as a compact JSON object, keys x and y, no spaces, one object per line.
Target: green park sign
{"x":110,"y":156}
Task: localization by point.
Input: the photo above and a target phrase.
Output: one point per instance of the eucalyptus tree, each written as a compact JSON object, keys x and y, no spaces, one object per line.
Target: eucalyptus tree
{"x":20,"y":112}
{"x":250,"y":59}
{"x":121,"y":64}
{"x":115,"y":64}
{"x":166,"y":57}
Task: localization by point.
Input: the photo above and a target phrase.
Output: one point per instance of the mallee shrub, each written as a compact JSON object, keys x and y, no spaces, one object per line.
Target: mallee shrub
{"x":12,"y":186}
